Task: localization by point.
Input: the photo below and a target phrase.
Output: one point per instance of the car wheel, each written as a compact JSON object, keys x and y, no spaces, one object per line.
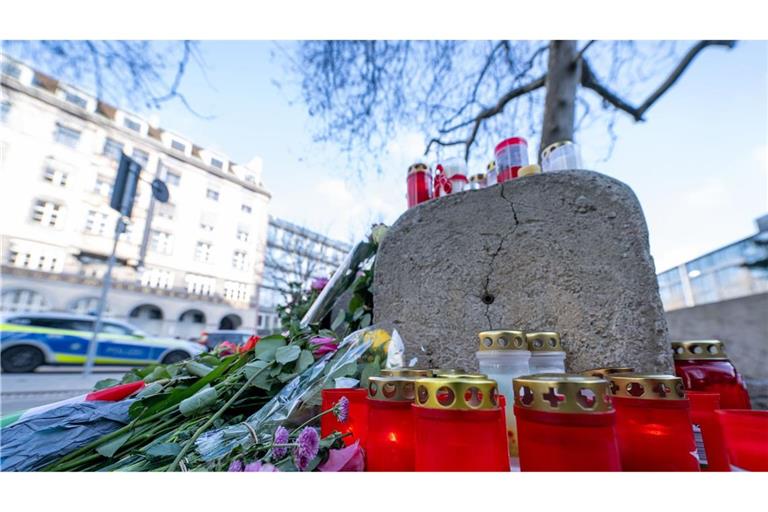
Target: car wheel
{"x":21,"y":359}
{"x":175,"y":357}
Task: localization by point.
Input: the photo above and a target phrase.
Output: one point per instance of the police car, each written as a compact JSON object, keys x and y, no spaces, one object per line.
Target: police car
{"x":28,"y":340}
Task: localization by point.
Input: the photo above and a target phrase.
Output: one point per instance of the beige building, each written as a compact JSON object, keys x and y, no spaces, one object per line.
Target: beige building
{"x":204,"y":251}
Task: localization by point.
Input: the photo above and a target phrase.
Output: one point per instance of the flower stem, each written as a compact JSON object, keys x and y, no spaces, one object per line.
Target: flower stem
{"x":313,"y":418}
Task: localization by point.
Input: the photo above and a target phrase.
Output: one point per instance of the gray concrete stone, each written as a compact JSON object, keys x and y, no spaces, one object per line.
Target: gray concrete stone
{"x":565,"y":251}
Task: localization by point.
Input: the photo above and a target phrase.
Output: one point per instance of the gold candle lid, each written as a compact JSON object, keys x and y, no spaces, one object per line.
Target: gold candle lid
{"x":529,"y":170}
{"x":461,"y":375}
{"x":562,"y":393}
{"x":391,"y":389}
{"x":549,"y":149}
{"x":646,"y":386}
{"x":458,"y":394}
{"x":544,"y":342}
{"x":491,"y":165}
{"x":698,"y":349}
{"x":406,"y":372}
{"x":418,"y":167}
{"x":502,"y":340}
{"x":477,"y":177}
{"x":603,"y":372}
{"x":439,"y":372}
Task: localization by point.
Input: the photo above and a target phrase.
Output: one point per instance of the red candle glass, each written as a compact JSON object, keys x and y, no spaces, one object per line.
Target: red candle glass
{"x":653,"y":423}
{"x":746,"y":438}
{"x":357,"y":419}
{"x":390,"y":445}
{"x":565,"y":423}
{"x":710,"y":445}
{"x":419,"y":184}
{"x":703,"y":366}
{"x":511,"y":155}
{"x":459,"y":426}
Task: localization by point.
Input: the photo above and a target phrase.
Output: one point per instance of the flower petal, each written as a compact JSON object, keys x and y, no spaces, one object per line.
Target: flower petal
{"x":350,"y":458}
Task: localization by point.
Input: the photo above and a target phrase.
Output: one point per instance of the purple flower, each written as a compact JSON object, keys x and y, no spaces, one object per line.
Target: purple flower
{"x":260,"y":467}
{"x":321,"y":346}
{"x":341,"y":409}
{"x":236,"y":465}
{"x":281,"y":437}
{"x":319,"y":283}
{"x":308,"y":445}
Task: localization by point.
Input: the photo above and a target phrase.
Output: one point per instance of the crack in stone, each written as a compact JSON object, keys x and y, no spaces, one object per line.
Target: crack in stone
{"x":502,"y":240}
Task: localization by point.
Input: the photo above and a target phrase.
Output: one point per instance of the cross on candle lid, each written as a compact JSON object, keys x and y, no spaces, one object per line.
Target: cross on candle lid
{"x":562,"y":393}
{"x":646,"y":386}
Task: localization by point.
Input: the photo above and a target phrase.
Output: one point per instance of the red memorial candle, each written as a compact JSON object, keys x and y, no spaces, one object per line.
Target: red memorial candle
{"x":459,"y":425}
{"x":710,"y":446}
{"x":653,"y":423}
{"x":565,"y":423}
{"x":419,"y":184}
{"x":746,"y":438}
{"x":357,"y":420}
{"x":390,"y":445}
{"x":703,"y":366}
{"x":511,"y":155}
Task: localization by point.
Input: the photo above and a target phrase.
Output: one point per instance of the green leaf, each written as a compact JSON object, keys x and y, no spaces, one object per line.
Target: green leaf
{"x":370,"y":370}
{"x":266,"y":347}
{"x":287,"y":354}
{"x":346,"y":370}
{"x":152,"y":389}
{"x":365,"y":321}
{"x":263,"y":381}
{"x":254,"y":367}
{"x":355,"y":302}
{"x":198,"y":369}
{"x":158,"y":373}
{"x":359,"y":312}
{"x":305,"y":360}
{"x":340,"y":318}
{"x":163,"y":450}
{"x":105,"y":383}
{"x":285,"y":377}
{"x":109,"y":448}
{"x":210,"y":360}
{"x":200,"y":400}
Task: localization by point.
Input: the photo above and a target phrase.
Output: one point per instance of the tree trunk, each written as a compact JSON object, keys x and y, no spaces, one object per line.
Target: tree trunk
{"x":563,"y":74}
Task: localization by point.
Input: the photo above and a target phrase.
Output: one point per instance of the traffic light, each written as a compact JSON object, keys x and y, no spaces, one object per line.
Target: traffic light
{"x":124,"y":191}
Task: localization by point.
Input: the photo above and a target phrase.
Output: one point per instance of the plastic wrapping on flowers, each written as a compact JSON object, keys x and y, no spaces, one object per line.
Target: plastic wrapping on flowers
{"x":291,"y":404}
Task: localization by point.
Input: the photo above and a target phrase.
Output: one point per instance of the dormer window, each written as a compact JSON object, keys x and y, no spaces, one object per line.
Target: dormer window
{"x":178,"y":146}
{"x":215,"y":162}
{"x":75,"y":99}
{"x":12,"y":69}
{"x":132,"y":125}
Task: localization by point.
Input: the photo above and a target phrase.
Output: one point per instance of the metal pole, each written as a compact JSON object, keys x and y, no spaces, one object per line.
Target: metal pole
{"x":91,"y":357}
{"x":150,"y":216}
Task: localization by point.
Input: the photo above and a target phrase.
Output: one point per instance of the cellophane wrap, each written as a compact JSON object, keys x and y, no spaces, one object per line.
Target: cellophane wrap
{"x":299,"y":398}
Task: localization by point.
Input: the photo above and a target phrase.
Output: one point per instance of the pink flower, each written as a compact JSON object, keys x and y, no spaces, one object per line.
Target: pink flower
{"x":226,"y":348}
{"x":321,"y":346}
{"x":236,"y":466}
{"x":281,"y":437}
{"x":319,"y":283}
{"x":308,"y":445}
{"x":260,"y":467}
{"x":351,"y":458}
{"x":341,"y":410}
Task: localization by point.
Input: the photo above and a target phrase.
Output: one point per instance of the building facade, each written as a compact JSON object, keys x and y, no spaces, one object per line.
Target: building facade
{"x":185,"y":266}
{"x":736,"y":270}
{"x":294,"y":255}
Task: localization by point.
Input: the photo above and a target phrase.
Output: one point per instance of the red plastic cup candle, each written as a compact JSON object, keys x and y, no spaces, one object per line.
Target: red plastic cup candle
{"x":390,"y":445}
{"x":459,"y":425}
{"x":419,"y":184}
{"x":565,"y":423}
{"x":746,"y":438}
{"x":710,"y":445}
{"x":511,"y":155}
{"x":357,"y":419}
{"x":653,"y":423}
{"x":703,"y":366}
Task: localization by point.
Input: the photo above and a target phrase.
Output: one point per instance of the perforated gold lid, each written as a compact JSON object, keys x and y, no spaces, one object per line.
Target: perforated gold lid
{"x":549,"y":149}
{"x":603,"y":372}
{"x":646,"y":386}
{"x":407,"y":372}
{"x":698,"y":349}
{"x":439,"y":372}
{"x":467,"y":375}
{"x":562,"y":393}
{"x":391,"y":389}
{"x":418,"y":167}
{"x":477,"y":177}
{"x":451,"y":393}
{"x":502,"y":340}
{"x":544,"y":342}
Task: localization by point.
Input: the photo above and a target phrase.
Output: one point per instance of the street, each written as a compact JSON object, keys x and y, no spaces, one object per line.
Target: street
{"x":48,"y":384}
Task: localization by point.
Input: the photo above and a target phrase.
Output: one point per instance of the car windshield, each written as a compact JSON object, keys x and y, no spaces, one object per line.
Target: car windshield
{"x":237,"y":338}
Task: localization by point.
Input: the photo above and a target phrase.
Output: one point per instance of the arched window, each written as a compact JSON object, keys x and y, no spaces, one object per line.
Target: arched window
{"x":192,"y":316}
{"x":87,"y":305}
{"x":21,"y":299}
{"x":147,"y":312}
{"x":230,"y":322}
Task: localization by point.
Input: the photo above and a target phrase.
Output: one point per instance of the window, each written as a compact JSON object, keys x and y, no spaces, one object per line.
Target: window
{"x":203,"y":252}
{"x":55,"y":176}
{"x":110,"y":328}
{"x":215,"y":162}
{"x":75,"y":99}
{"x":260,"y":321}
{"x":12,"y":70}
{"x":5,"y":108}
{"x":161,"y":242}
{"x":212,"y":194}
{"x":141,"y":157}
{"x":23,"y":300}
{"x":200,"y":285}
{"x":96,"y":222}
{"x":172,"y":178}
{"x":35,"y":258}
{"x":179,"y":146}
{"x":207,"y":222}
{"x":239,"y":260}
{"x":246,"y":208}
{"x":250,"y":178}
{"x":46,"y":213}
{"x":242,"y":234}
{"x":236,"y":291}
{"x":66,"y":136}
{"x":156,"y":278}
{"x":166,"y":211}
{"x":112,"y":149}
{"x":131,"y":124}
{"x":103,"y":186}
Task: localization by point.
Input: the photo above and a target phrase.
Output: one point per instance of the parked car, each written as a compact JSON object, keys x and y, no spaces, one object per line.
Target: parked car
{"x":212,"y":338}
{"x":29,"y":340}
